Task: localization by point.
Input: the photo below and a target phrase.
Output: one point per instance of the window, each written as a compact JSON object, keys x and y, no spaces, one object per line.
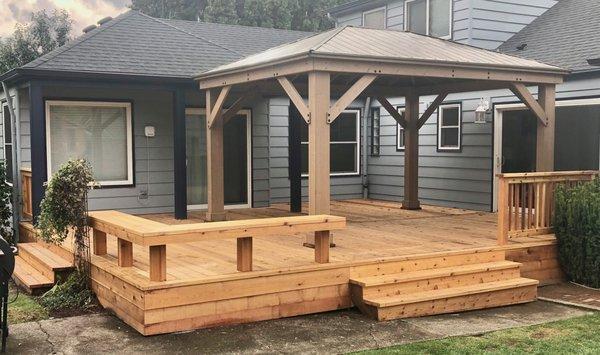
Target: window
{"x":429,"y":17}
{"x":344,"y":144}
{"x":374,"y":18}
{"x":8,"y":145}
{"x":400,"y":132}
{"x":449,"y":127}
{"x":99,"y":132}
{"x":375,"y":131}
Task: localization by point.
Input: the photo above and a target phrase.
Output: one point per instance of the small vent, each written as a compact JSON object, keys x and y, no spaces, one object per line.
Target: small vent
{"x":89,"y":28}
{"x":104,"y":20}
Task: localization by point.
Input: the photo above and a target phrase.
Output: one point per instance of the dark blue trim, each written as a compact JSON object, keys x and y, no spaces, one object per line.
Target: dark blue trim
{"x":37,"y":122}
{"x":179,"y":150}
{"x":295,"y":158}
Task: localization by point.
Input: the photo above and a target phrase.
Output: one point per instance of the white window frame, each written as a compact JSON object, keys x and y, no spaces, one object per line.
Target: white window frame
{"x":427,"y":2}
{"x":357,"y":142}
{"x":80,"y":103}
{"x":384,"y":8}
{"x":248,"y":114}
{"x":440,"y":117}
{"x":4,"y":144}
{"x":400,"y":131}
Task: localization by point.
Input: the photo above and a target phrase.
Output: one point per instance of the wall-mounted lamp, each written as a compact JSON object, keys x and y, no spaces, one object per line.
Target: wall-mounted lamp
{"x":482,"y":110}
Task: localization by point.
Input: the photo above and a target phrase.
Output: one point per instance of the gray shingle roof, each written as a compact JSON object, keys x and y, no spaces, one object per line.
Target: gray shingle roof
{"x":137,"y":44}
{"x":566,"y":35}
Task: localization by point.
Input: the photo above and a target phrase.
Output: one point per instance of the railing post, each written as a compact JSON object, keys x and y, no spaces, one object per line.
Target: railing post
{"x":158,"y":263}
{"x":244,"y":254}
{"x":322,"y":247}
{"x":125,"y":253}
{"x":503,"y":211}
{"x":99,"y":246}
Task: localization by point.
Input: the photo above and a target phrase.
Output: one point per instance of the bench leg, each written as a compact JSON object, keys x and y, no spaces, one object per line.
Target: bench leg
{"x":125,"y":253}
{"x":244,"y":254}
{"x":322,"y":247}
{"x":158,"y":263}
{"x":99,"y":245}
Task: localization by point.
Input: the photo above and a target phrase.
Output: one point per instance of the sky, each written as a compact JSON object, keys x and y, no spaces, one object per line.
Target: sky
{"x":83,"y":12}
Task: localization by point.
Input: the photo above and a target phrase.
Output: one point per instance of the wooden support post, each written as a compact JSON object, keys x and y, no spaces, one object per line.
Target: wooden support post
{"x":99,"y":246}
{"x":244,"y":254}
{"x":214,"y":162}
{"x":411,"y":154}
{"x":546,"y":133}
{"x":322,"y":247}
{"x":318,"y":146}
{"x":125,"y":253}
{"x":158,"y":263}
{"x":503,"y":212}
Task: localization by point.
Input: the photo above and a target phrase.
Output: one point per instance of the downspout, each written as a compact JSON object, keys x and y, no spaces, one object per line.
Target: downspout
{"x":16,"y":195}
{"x":365,"y":147}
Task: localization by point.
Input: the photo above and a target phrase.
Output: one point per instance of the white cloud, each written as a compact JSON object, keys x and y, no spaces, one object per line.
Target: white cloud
{"x":83,"y":12}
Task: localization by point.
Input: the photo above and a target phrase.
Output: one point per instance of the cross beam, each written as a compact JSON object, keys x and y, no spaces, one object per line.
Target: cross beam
{"x":295,"y":97}
{"x":392,"y":111}
{"x":349,"y":96}
{"x":521,"y":91}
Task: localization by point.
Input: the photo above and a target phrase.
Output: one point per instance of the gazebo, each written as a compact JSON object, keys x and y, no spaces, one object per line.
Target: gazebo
{"x":324,"y":73}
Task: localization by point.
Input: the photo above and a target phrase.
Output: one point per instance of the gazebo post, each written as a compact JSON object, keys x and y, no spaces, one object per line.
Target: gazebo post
{"x":545,"y":133}
{"x":411,"y":153}
{"x":214,"y":160}
{"x":318,"y":152}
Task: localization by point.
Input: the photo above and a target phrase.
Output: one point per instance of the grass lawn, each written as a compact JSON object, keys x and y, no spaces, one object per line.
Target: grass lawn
{"x":573,"y":336}
{"x":24,"y":308}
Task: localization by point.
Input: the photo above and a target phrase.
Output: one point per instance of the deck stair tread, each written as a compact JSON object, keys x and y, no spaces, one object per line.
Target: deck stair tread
{"x":373,"y":281}
{"x":45,"y":256}
{"x":396,"y":300}
{"x":29,"y":275}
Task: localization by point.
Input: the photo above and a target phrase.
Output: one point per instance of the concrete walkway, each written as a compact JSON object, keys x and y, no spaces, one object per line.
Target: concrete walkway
{"x":334,"y":332}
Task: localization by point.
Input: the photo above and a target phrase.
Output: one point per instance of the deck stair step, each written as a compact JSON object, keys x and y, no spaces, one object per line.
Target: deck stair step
{"x":29,"y":278}
{"x":44,"y":260}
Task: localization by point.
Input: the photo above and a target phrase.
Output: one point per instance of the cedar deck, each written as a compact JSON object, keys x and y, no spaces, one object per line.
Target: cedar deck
{"x":203,"y":287}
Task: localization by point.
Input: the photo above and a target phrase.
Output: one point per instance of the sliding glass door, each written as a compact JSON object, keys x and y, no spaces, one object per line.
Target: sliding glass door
{"x":236,"y":152}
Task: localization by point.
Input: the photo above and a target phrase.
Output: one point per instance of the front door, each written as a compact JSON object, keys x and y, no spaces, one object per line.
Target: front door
{"x":236,"y":136}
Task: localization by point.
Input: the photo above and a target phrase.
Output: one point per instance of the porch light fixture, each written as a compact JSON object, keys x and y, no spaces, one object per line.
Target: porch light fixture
{"x":482,"y":110}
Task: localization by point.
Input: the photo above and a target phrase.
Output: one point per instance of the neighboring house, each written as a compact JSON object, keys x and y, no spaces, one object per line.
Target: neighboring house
{"x":458,"y":157}
{"x":112,"y":96}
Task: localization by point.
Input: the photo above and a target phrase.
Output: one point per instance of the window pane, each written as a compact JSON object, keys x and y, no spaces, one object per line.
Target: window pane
{"x":343,"y":158}
{"x":449,"y":137}
{"x":417,"y":11}
{"x":95,"y":133}
{"x":375,"y":19}
{"x":304,"y":131}
{"x":304,"y":154}
{"x":7,"y":125}
{"x":400,"y":137}
{"x":450,"y":116}
{"x":343,"y":129}
{"x":195,"y":151}
{"x":439,"y":18}
{"x":8,"y":162}
{"x":375,"y":131}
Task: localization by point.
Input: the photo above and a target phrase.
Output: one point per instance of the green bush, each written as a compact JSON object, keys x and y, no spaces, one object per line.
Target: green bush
{"x":72,"y":293}
{"x":6,"y":230}
{"x":577,"y":228}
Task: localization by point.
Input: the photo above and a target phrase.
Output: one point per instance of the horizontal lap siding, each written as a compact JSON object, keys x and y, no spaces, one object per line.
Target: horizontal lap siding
{"x":260,"y":153}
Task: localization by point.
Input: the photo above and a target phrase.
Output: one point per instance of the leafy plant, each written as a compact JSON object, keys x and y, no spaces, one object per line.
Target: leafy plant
{"x":73,"y":293}
{"x":6,"y":231}
{"x":64,"y":208}
{"x":577,"y":229}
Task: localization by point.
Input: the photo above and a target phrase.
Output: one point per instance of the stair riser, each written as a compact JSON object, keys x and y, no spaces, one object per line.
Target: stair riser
{"x":440,"y":282}
{"x":35,"y":291}
{"x":396,"y":267}
{"x":458,"y":304}
{"x":37,"y":264}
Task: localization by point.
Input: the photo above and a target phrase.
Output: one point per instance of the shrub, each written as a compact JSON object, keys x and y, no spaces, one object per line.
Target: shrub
{"x":577,"y":228}
{"x":6,"y":231}
{"x":73,"y":293}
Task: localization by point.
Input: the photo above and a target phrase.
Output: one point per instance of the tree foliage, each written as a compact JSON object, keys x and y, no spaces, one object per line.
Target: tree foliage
{"x":303,"y":15}
{"x":5,"y":205}
{"x":43,"y":34}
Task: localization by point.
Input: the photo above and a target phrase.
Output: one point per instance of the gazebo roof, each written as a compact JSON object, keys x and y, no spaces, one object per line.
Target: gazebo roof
{"x":384,"y":46}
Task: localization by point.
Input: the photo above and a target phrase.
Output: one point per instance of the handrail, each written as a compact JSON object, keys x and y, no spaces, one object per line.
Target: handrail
{"x":27,"y":206}
{"x":526,"y":201}
{"x":129,"y":230}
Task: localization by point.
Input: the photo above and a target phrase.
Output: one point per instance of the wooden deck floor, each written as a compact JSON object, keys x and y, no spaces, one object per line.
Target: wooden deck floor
{"x":376,"y":230}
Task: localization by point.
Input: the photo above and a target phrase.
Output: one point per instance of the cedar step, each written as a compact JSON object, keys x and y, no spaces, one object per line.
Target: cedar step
{"x":397,"y":300}
{"x":28,"y":277}
{"x":373,"y":281}
{"x":44,"y":260}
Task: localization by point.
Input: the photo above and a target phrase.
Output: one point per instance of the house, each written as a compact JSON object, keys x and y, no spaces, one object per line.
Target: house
{"x":180,"y":117}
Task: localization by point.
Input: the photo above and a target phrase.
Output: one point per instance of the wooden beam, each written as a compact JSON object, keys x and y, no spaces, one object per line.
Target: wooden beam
{"x":158,"y":263}
{"x":295,"y":97}
{"x":346,"y":99}
{"x":214,"y":163}
{"x":431,"y":109}
{"x":238,"y":104}
{"x":521,"y":91}
{"x":411,"y":154}
{"x":392,"y":111}
{"x":546,"y":132}
{"x":244,"y":254}
{"x":215,"y":111}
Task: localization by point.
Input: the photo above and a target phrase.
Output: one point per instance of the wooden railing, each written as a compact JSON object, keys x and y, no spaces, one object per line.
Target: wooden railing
{"x":129,"y":230}
{"x":27,"y":207}
{"x":526,"y":201}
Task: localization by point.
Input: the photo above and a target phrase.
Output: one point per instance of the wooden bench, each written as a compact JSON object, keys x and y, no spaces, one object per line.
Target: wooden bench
{"x":129,"y":230}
